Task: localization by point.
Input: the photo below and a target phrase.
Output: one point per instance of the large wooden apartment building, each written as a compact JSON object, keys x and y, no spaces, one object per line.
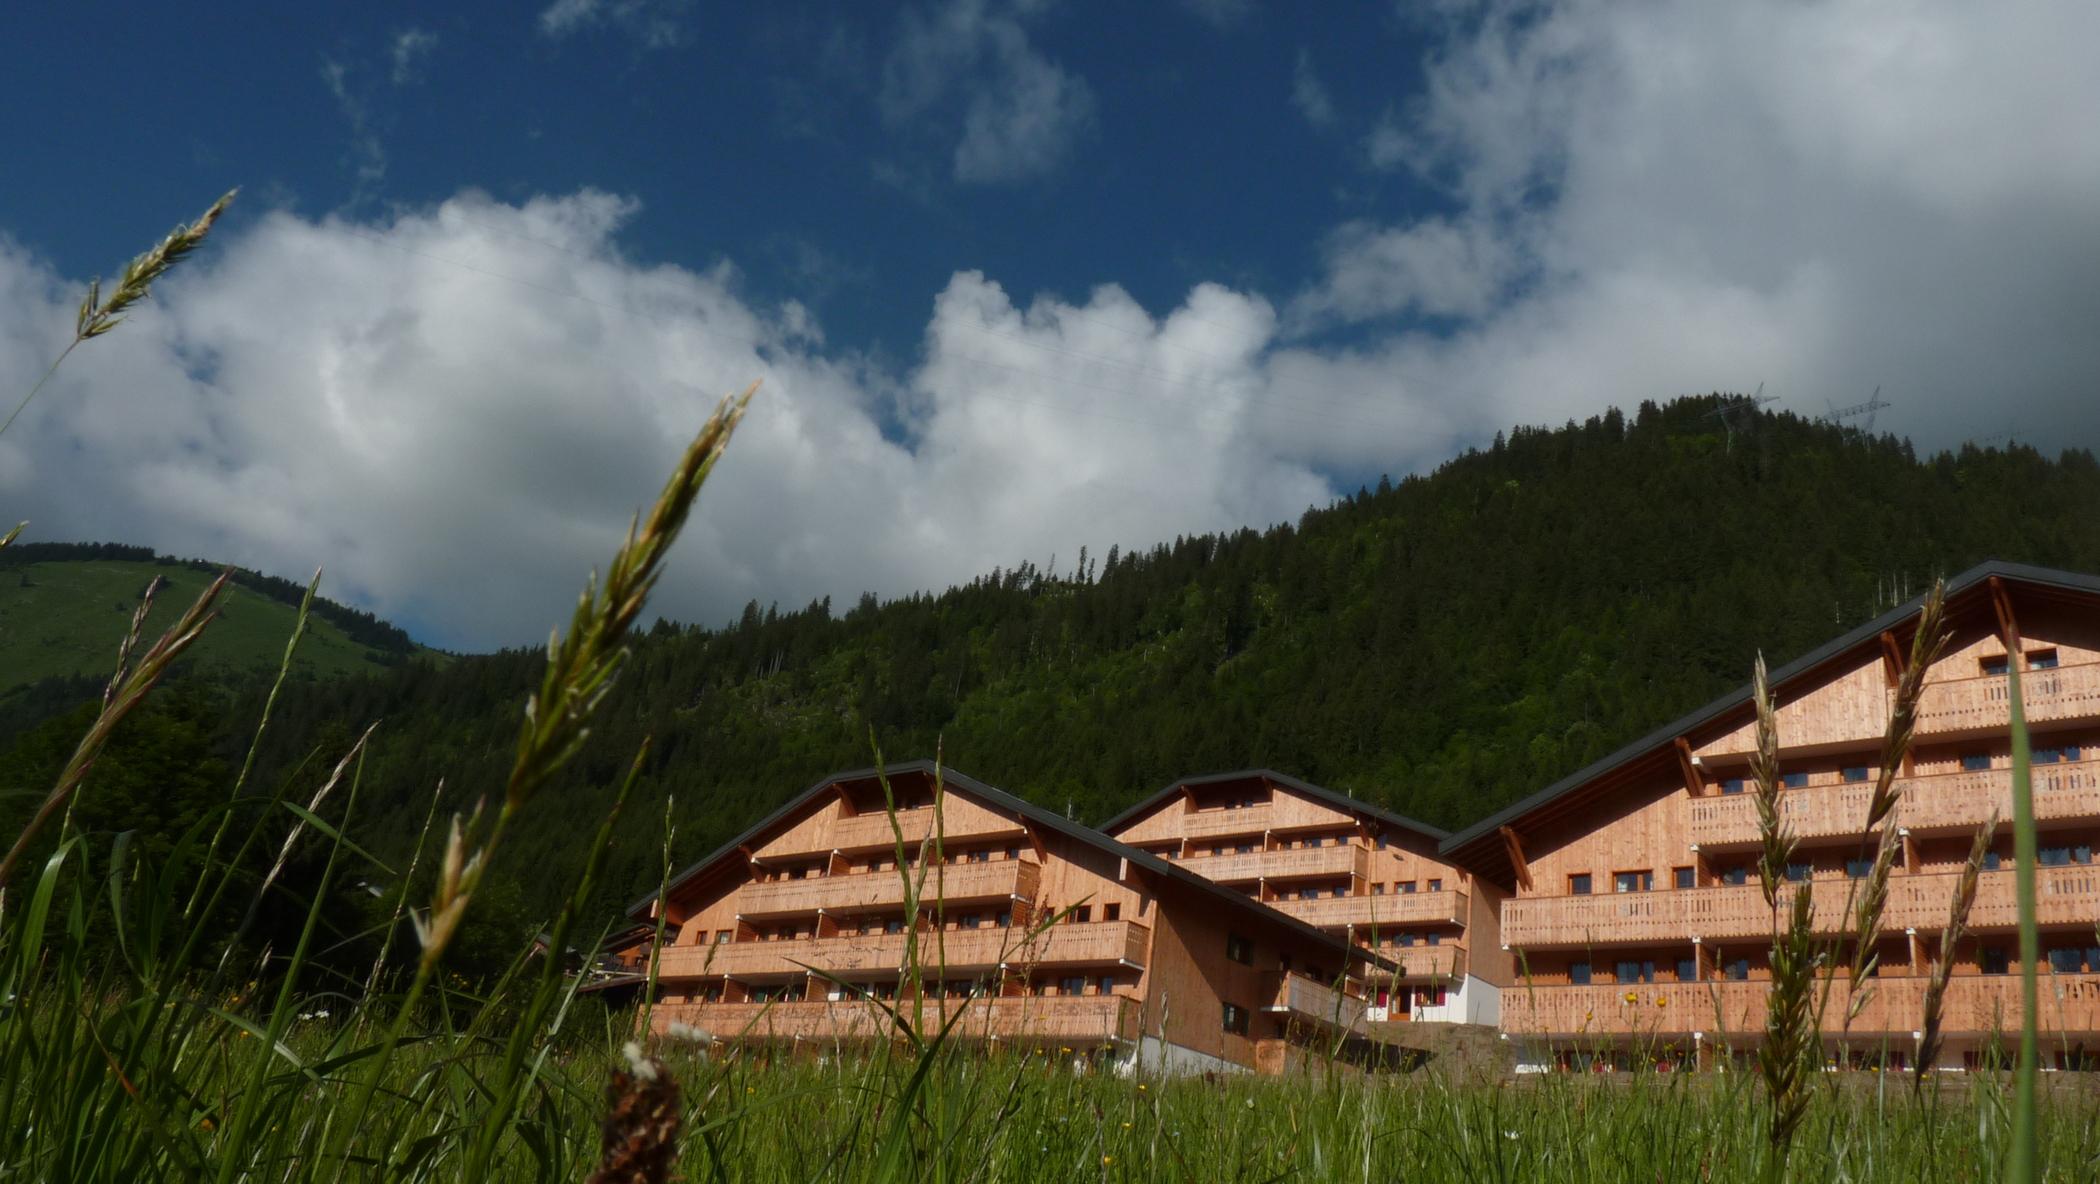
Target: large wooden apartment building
{"x":1636,"y":914}
{"x":1359,"y":872}
{"x":940,"y":894}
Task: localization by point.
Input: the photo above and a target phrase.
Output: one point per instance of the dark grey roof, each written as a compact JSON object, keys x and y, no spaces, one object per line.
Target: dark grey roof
{"x":1339,"y":801}
{"x":1962,"y":584}
{"x":1001,"y":799}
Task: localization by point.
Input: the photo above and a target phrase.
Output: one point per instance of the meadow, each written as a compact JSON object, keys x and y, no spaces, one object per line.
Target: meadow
{"x":145,"y":1034}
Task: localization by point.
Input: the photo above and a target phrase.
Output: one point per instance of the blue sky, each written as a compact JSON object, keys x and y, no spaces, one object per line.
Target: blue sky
{"x":1019,"y":276}
{"x":748,"y":133}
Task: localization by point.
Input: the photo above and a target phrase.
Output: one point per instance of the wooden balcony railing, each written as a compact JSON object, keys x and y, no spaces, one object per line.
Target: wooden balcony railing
{"x":1210,"y":824}
{"x":1307,"y":1000}
{"x":872,"y":832}
{"x":1971,"y":704}
{"x":1336,"y":859}
{"x":1102,"y":943}
{"x":1948,"y":802}
{"x":954,"y":882}
{"x":2070,"y":1004}
{"x":1382,"y":913}
{"x":2065,"y":895}
{"x":1079,"y":1020}
{"x":1420,"y":964}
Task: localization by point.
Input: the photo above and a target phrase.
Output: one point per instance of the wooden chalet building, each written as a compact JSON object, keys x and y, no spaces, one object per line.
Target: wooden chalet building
{"x":947,"y":895}
{"x":1635,"y":910}
{"x":1351,"y":869}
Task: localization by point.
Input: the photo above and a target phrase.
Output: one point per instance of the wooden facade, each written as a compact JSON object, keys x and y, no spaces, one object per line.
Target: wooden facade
{"x":942,"y":898}
{"x":1364,"y":874}
{"x":1636,"y":914}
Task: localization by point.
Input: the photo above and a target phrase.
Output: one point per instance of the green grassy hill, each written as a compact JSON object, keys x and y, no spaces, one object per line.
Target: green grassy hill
{"x":64,"y":616}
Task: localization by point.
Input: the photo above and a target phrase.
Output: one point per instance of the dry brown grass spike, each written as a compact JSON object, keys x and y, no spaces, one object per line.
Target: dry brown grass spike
{"x":1943,"y":961}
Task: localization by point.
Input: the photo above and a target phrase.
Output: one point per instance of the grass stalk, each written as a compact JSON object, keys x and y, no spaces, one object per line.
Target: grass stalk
{"x":2022,"y":1166}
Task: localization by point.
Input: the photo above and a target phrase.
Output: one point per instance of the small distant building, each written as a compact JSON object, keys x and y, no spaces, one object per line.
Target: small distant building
{"x":948,"y":899}
{"x":1356,"y":871}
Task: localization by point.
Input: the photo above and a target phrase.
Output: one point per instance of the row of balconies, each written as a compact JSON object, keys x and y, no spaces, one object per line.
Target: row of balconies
{"x":1384,"y":913}
{"x":1100,"y":943}
{"x":2064,"y":896}
{"x":1421,"y":964}
{"x":951,"y":883}
{"x":1080,"y":1021}
{"x":1972,"y":704}
{"x":2070,"y":1004}
{"x":1945,"y":803}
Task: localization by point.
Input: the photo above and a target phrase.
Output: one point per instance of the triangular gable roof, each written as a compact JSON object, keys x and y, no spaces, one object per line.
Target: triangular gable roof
{"x":1479,"y":847}
{"x":953,"y":781}
{"x":1320,"y":793}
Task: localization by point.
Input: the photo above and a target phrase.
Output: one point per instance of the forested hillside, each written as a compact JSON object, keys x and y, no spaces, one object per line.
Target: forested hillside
{"x":1442,"y":645}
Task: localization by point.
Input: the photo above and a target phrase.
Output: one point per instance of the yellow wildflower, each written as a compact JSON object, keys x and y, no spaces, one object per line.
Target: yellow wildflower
{"x":1631,"y":997}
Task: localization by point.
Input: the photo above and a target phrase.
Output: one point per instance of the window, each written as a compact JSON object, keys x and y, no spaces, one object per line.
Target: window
{"x":1384,"y":841}
{"x":1378,"y":888}
{"x":1975,"y":762}
{"x":1732,"y":785}
{"x":1996,"y":665}
{"x":1855,"y":773}
{"x":1112,"y":912}
{"x":1688,"y":970}
{"x":1683,"y":877}
{"x":1739,"y":969}
{"x":1433,"y":938}
{"x":1633,"y":881}
{"x":1235,"y":1019}
{"x":1739,"y":874}
{"x":1245,"y":848}
{"x":1579,"y":973}
{"x":1407,"y":887}
{"x":1991,"y":861}
{"x":1635,"y":972}
{"x":2067,"y":959}
{"x":980,"y":857}
{"x":1005,"y":919}
{"x":893,"y":925}
{"x":1858,"y":866}
{"x":1797,"y":873}
{"x":1106,"y":984}
{"x":1338,"y":890}
{"x":722,"y":936}
{"x":2041,"y":660}
{"x":1082,"y":913}
{"x":2047,"y":756}
{"x":1794,"y":780}
{"x":1436,"y":885}
{"x":1993,"y":961}
{"x":1579,"y":885}
{"x":1407,"y":939}
{"x":2063,"y":856}
{"x":1072,"y":985}
{"x":1013,"y":853}
{"x":1239,"y":949}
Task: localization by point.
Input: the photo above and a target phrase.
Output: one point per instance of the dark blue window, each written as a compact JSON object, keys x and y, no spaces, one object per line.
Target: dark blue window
{"x":1994,"y":961}
{"x":1973,"y":762}
{"x":1997,"y":665}
{"x":1990,"y":861}
{"x":1798,"y":872}
{"x":1579,"y":885}
{"x":1739,"y":969}
{"x":2045,"y":660}
{"x":1579,"y":973}
{"x":1684,"y":877}
{"x":1855,"y":772}
{"x":1687,"y":970}
{"x":2067,"y":960}
{"x":1739,"y":874}
{"x":1636,"y":972}
{"x":1732,"y":785}
{"x":1858,"y":866}
{"x":1794,"y":780}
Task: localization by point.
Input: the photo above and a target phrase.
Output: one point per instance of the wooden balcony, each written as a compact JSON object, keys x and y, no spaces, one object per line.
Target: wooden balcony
{"x":1983,"y":703}
{"x":1081,"y":1021}
{"x":1946,"y":803}
{"x":1420,"y":964}
{"x":872,"y":832}
{"x":954,"y":882}
{"x":1338,"y":859}
{"x":1102,"y":943}
{"x":1382,"y":913}
{"x":1211,"y":824}
{"x":2065,"y":896}
{"x":1306,"y":1000}
{"x":2070,"y":1004}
